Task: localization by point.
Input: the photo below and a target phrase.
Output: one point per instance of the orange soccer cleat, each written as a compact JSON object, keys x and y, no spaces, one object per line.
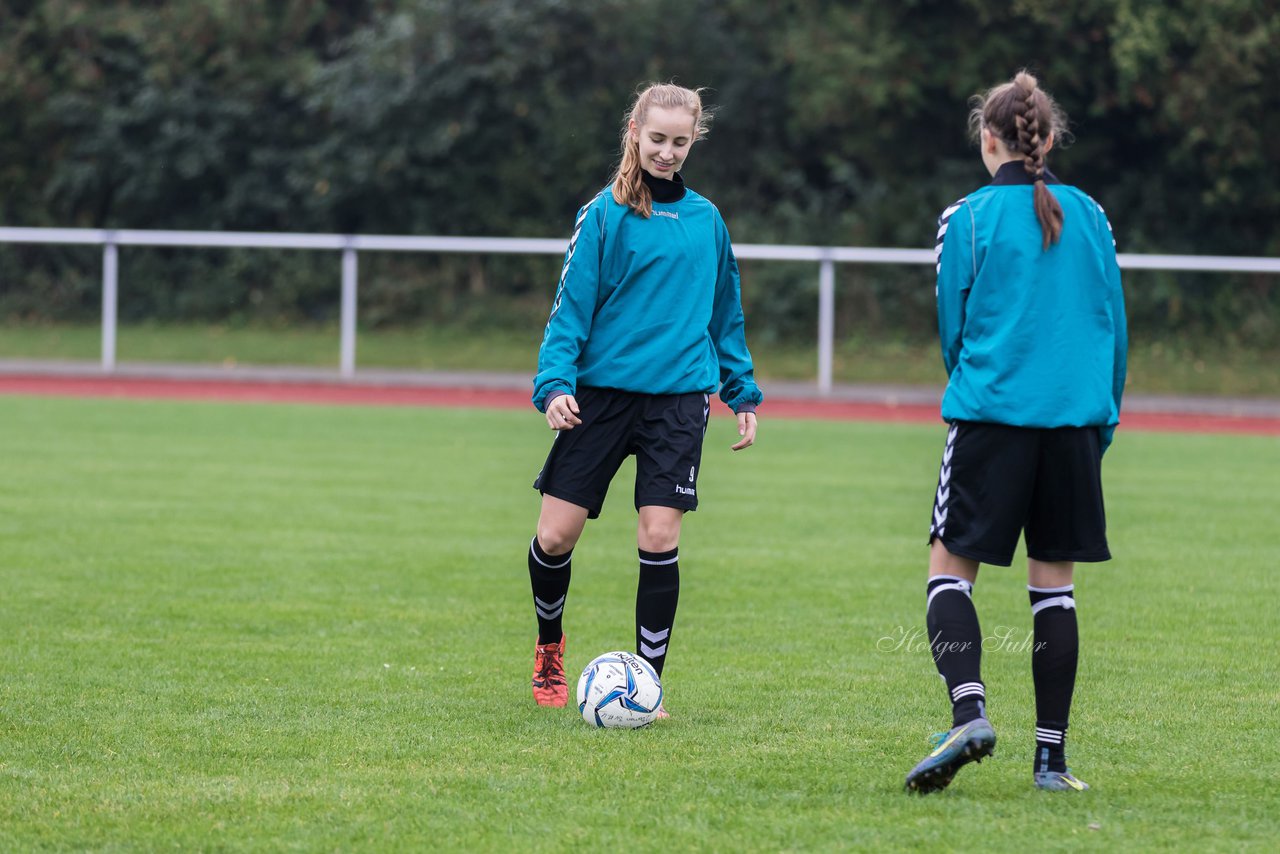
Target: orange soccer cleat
{"x":549,"y":685}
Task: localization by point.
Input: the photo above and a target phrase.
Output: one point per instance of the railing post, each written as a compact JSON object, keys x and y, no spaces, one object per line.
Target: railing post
{"x":826,"y":320}
{"x":110,"y":298}
{"x":347,"y":321}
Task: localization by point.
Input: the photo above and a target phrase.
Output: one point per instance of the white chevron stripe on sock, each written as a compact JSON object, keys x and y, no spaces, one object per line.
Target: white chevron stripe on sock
{"x":652,"y":651}
{"x":654,"y":637}
{"x":549,"y":610}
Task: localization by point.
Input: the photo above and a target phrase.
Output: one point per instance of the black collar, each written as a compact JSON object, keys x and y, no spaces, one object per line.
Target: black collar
{"x":664,"y":192}
{"x":1014,"y":172}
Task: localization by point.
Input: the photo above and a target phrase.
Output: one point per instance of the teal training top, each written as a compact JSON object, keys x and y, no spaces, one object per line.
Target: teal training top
{"x":648,"y":305}
{"x":1030,"y":337}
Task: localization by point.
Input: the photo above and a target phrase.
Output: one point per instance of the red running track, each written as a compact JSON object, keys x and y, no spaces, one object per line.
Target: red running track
{"x":380,"y":395}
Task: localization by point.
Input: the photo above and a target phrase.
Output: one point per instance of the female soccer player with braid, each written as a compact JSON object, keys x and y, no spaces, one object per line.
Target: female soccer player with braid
{"x":646,"y":324}
{"x":1031,"y":318}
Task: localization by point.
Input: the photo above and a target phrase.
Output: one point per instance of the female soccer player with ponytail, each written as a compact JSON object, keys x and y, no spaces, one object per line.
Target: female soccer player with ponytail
{"x":646,"y":324}
{"x":1031,"y":318}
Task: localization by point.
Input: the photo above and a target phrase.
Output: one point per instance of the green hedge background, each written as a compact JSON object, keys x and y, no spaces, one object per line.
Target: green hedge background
{"x":837,"y":123}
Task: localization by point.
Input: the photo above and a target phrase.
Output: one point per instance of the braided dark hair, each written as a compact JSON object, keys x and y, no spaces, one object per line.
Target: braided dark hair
{"x":1023,"y":116}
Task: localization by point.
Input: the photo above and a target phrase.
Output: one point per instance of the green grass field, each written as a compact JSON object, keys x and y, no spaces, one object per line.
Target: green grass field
{"x":1158,"y":366}
{"x":265,"y":628}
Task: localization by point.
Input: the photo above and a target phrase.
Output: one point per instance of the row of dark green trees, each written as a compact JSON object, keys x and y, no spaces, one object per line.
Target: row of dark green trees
{"x":840,"y":123}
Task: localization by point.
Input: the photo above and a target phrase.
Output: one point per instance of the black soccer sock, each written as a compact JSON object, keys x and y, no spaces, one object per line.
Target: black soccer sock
{"x":955,"y":639}
{"x":656,"y":599}
{"x":549,"y":575}
{"x":1053,"y":668}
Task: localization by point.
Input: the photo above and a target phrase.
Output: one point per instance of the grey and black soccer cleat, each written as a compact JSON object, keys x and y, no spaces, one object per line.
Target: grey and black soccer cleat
{"x":1059,"y":781}
{"x":969,"y":742}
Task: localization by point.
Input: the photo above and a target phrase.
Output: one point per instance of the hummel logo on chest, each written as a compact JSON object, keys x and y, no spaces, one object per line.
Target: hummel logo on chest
{"x":669,"y":214}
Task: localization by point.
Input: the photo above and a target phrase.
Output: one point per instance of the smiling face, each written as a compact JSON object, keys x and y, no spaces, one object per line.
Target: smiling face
{"x":664,"y":140}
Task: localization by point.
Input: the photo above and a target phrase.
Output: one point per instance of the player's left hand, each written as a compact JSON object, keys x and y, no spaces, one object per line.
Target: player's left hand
{"x":746,"y":429}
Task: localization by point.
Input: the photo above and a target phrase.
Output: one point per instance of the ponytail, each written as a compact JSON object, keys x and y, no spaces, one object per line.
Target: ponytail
{"x":629,"y":187}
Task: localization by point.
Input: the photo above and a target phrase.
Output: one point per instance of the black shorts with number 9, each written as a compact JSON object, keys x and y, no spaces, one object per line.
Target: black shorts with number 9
{"x":663,"y":431}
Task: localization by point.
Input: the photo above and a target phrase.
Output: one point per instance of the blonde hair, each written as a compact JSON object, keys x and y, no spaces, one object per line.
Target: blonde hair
{"x":628,"y":184}
{"x":1023,"y":117}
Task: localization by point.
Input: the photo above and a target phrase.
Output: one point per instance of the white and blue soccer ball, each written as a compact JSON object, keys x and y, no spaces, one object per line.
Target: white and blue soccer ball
{"x":619,"y":689}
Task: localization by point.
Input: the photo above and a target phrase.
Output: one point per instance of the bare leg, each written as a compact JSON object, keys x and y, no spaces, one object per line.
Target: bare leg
{"x":1045,"y":574}
{"x":560,"y":525}
{"x":659,"y":528}
{"x":943,"y":562}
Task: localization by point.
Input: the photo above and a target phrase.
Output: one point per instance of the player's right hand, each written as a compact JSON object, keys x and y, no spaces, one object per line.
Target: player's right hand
{"x":562,"y":413}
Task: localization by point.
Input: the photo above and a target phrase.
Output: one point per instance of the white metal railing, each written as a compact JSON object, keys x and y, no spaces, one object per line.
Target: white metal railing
{"x":350,"y":244}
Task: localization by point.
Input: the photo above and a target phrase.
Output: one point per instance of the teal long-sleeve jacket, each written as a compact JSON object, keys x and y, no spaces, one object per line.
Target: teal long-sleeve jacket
{"x":1030,"y":337}
{"x":648,"y":305}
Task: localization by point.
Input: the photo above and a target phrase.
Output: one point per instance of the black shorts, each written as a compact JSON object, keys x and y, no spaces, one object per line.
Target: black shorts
{"x":998,"y":481}
{"x":664,"y":431}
